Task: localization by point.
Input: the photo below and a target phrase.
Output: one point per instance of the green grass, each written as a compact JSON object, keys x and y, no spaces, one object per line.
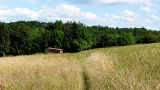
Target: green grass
{"x":134,"y":67}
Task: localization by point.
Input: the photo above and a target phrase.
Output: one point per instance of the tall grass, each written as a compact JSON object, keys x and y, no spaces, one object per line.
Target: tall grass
{"x":41,"y":72}
{"x":97,"y":67}
{"x":117,"y":68}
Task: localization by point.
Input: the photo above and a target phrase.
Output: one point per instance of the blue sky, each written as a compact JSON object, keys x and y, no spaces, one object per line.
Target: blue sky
{"x":114,"y":13}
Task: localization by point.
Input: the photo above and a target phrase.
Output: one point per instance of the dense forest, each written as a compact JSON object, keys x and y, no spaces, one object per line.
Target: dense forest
{"x":28,"y":37}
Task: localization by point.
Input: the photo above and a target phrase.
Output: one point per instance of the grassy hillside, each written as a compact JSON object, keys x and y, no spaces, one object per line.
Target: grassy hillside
{"x":116,"y":68}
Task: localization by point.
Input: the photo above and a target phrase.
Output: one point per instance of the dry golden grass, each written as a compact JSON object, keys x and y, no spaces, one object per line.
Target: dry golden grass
{"x":97,"y":67}
{"x":118,"y":68}
{"x":40,"y":72}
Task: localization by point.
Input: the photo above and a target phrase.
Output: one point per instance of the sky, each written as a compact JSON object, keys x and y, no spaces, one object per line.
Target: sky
{"x":112,"y":13}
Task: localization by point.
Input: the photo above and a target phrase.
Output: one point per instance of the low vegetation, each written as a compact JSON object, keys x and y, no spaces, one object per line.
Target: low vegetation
{"x":117,"y":68}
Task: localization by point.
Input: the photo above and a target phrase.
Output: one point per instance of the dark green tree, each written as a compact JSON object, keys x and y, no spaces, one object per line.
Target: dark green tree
{"x":126,"y":39}
{"x":4,"y":39}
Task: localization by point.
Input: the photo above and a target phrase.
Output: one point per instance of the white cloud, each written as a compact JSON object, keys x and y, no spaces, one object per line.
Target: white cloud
{"x":148,"y":3}
{"x":133,"y":19}
{"x":17,"y":14}
{"x":128,"y":13}
{"x":112,"y":16}
{"x":106,"y":14}
{"x":72,"y":13}
{"x":66,"y":12}
{"x":129,"y":16}
{"x":30,"y":1}
{"x":61,"y":12}
{"x":106,"y":1}
{"x":154,"y":17}
{"x":146,"y":9}
{"x":110,"y":19}
{"x":2,"y":7}
{"x":90,"y":16}
{"x":119,"y":1}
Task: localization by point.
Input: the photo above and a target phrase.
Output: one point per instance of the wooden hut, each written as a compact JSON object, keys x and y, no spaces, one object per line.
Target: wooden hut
{"x":54,"y":50}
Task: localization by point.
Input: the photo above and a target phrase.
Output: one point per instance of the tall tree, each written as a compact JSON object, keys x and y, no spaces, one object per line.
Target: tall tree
{"x":4,"y":39}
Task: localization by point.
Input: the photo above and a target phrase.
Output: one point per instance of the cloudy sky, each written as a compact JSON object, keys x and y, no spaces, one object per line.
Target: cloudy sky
{"x":114,"y":13}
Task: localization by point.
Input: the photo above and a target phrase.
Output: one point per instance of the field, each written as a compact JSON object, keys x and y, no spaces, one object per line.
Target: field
{"x":134,"y":67}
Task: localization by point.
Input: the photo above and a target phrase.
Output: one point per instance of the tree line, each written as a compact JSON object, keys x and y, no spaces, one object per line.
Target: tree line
{"x":29,"y":37}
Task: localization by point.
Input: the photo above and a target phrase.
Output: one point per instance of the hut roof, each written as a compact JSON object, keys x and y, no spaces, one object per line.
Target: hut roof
{"x":55,"y":49}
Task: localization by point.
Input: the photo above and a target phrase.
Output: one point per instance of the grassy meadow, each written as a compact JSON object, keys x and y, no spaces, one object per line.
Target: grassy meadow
{"x":134,"y":67}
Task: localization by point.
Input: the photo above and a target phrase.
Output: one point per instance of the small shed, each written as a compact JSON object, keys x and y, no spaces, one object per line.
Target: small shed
{"x":54,"y":50}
